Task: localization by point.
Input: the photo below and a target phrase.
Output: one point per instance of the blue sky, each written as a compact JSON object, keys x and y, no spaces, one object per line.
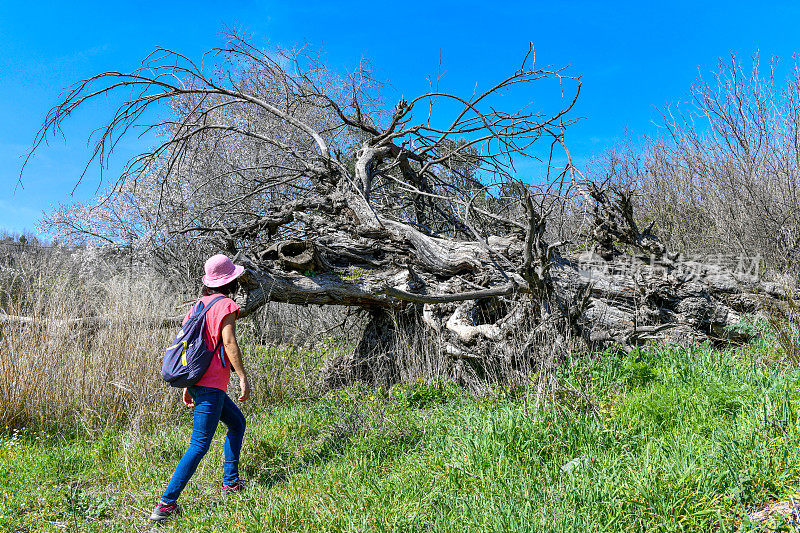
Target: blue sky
{"x":634,"y":57}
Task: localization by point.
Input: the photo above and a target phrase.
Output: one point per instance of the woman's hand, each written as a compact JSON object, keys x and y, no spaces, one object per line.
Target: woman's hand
{"x":244,"y":388}
{"x":187,"y":398}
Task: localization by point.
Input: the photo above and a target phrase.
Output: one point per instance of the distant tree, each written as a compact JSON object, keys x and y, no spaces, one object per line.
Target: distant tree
{"x":725,"y":176}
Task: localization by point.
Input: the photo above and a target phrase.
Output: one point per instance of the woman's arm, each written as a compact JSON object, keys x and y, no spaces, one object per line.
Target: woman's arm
{"x":234,"y":355}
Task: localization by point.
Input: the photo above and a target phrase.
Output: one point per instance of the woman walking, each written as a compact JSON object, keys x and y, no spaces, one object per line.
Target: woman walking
{"x":209,"y":395}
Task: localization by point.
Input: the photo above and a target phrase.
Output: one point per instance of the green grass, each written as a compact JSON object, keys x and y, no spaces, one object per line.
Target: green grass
{"x":660,"y":440}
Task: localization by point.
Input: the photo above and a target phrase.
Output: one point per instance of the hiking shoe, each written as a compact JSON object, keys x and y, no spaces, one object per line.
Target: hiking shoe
{"x":164,"y":511}
{"x":226,"y":490}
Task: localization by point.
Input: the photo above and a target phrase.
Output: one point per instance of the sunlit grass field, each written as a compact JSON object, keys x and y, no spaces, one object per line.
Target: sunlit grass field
{"x":666,"y":439}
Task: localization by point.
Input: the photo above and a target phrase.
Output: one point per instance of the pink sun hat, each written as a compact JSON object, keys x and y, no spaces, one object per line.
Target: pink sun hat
{"x":220,"y":271}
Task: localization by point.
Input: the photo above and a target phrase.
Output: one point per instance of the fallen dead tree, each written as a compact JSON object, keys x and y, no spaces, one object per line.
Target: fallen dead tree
{"x":601,"y":297}
{"x":414,"y":214}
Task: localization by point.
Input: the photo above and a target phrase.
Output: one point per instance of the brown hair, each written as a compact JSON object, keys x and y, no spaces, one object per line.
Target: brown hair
{"x":229,"y":289}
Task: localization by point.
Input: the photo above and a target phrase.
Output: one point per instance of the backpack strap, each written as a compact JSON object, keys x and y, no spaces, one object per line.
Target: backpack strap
{"x":201,"y":311}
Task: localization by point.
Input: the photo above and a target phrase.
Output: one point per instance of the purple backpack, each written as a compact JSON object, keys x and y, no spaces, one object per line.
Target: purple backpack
{"x":188,"y":358}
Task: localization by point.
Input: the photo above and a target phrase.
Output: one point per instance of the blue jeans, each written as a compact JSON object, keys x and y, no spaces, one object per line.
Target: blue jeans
{"x":210,"y":406}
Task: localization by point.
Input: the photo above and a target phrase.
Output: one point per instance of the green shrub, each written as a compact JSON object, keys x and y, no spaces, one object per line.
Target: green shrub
{"x":639,"y":369}
{"x":85,"y":505}
{"x":420,"y":394}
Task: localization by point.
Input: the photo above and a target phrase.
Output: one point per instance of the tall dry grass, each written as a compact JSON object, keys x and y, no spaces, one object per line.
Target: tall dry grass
{"x":784,"y":325}
{"x":62,"y":375}
{"x":65,"y":376}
